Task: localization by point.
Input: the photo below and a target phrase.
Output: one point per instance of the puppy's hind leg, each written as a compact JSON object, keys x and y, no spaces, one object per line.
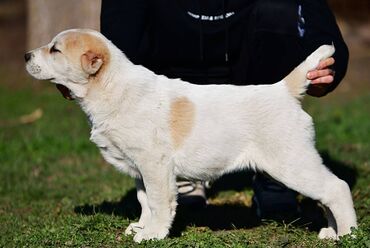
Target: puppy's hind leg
{"x":329,"y":232}
{"x":306,"y":174}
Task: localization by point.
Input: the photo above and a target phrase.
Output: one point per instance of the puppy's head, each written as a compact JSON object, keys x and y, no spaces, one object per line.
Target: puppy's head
{"x":73,"y":60}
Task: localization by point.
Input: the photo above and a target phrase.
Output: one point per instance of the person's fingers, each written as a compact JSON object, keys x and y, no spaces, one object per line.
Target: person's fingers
{"x":319,"y":73}
{"x":321,"y":77}
{"x":323,"y":80}
{"x":325,"y":63}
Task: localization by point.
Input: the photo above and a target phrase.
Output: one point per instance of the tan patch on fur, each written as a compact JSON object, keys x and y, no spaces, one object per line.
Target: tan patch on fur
{"x":295,"y":82}
{"x":45,"y":50}
{"x":78,"y":43}
{"x":182,"y":114}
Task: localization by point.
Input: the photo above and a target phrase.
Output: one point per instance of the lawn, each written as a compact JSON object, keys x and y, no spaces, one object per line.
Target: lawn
{"x":56,"y":190}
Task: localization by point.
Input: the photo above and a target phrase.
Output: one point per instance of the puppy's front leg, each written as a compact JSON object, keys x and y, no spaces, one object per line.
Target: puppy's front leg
{"x":160,"y":186}
{"x":145,"y":211}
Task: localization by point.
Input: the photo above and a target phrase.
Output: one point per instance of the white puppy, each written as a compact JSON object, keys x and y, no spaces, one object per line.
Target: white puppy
{"x":156,"y":129}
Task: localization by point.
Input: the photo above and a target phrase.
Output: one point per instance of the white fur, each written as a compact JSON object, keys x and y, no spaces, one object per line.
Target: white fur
{"x":259,"y":127}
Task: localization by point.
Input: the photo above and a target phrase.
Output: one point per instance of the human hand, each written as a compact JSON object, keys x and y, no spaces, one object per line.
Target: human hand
{"x":321,"y":77}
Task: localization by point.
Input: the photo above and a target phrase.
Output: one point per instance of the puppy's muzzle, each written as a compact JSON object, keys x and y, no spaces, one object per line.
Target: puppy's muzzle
{"x":28,"y":56}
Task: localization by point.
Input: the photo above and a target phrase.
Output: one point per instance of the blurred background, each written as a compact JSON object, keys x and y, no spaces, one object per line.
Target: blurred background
{"x":28,"y":24}
{"x":56,"y":190}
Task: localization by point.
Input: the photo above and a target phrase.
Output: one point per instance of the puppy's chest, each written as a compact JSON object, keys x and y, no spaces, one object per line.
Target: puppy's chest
{"x":116,"y":150}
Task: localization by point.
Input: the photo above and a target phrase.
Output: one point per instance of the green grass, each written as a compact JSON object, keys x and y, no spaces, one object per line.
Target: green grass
{"x":56,"y":190}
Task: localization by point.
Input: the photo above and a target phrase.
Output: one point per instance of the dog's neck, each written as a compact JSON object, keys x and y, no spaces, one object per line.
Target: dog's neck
{"x":121,"y":86}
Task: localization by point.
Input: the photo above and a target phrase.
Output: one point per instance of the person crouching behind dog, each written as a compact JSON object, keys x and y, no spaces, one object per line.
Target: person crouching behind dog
{"x":229,"y":42}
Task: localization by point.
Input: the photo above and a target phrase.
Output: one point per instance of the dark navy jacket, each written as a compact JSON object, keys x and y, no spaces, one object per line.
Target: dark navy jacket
{"x":223,"y":41}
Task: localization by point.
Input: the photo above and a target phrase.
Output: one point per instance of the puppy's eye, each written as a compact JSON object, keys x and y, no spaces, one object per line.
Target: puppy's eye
{"x":53,"y":49}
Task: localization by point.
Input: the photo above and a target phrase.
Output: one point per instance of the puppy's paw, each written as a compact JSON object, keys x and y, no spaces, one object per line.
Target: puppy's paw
{"x":328,"y":233}
{"x":134,"y":228}
{"x":150,"y":233}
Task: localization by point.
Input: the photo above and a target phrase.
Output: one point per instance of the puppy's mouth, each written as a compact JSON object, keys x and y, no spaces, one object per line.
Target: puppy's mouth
{"x":65,"y":91}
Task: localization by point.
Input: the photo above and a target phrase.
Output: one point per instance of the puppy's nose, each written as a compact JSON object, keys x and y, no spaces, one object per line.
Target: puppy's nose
{"x":27,"y":56}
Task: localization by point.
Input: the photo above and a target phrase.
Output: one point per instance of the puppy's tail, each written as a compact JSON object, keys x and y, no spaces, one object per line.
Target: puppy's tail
{"x":297,"y":81}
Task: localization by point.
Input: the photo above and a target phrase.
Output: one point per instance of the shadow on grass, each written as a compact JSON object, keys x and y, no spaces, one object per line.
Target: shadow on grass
{"x":216,"y":217}
{"x":228,"y":216}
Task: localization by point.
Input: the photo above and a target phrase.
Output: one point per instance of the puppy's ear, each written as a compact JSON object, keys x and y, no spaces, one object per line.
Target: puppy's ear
{"x":91,"y":62}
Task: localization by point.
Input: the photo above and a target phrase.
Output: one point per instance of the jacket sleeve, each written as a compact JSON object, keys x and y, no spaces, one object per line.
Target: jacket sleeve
{"x":321,"y":28}
{"x":123,"y":22}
